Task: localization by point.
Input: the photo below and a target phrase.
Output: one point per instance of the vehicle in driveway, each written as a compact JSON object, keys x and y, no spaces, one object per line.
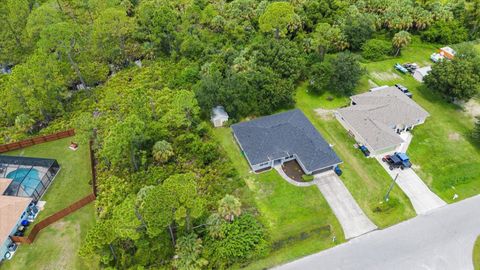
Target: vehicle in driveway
{"x":337,"y":170}
{"x":400,"y":68}
{"x":364,"y":150}
{"x":404,"y":90}
{"x":397,"y":160}
{"x":411,"y":67}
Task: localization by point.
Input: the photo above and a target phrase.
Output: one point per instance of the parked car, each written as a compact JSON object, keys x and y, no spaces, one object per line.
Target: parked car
{"x":400,"y":68}
{"x":337,"y":170}
{"x":397,"y":160}
{"x":364,"y":150}
{"x":436,"y":57}
{"x":401,"y":88}
{"x":404,"y":90}
{"x":411,"y":67}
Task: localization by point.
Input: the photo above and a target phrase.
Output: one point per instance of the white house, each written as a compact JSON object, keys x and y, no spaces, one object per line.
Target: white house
{"x":219,"y":116}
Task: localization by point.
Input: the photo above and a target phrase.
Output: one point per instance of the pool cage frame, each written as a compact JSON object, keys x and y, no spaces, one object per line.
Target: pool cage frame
{"x":16,"y":188}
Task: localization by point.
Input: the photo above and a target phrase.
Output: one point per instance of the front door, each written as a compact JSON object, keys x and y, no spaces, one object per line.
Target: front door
{"x":277,"y":162}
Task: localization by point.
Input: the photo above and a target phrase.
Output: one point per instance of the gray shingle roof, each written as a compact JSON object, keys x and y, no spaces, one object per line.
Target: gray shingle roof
{"x":283,"y":134}
{"x":376,"y":114}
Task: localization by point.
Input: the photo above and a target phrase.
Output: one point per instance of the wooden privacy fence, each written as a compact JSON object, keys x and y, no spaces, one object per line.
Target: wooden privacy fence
{"x":53,"y":218}
{"x":36,"y":140}
{"x":64,"y":212}
{"x":93,"y":166}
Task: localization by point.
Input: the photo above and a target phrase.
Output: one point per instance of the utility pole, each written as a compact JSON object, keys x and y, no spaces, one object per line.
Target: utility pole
{"x":391,"y":186}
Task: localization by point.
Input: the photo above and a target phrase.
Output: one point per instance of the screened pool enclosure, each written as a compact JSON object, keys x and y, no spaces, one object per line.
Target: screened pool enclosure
{"x":30,"y":176}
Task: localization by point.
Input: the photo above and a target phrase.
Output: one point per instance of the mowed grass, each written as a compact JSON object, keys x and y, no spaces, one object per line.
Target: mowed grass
{"x":476,"y":255}
{"x":299,"y":220}
{"x":72,"y":182}
{"x":444,"y":155}
{"x":56,"y":247}
{"x":366,"y":180}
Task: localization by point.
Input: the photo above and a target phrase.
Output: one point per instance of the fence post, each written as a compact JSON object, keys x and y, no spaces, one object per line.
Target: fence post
{"x":93,"y":168}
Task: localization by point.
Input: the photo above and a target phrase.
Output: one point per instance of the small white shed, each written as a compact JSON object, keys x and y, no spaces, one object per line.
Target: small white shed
{"x":421,"y":72}
{"x":219,"y":116}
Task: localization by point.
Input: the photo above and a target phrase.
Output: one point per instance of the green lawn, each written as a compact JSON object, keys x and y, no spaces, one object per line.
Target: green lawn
{"x":298,"y":219}
{"x":366,"y":180}
{"x":56,"y":247}
{"x":442,"y":150}
{"x":476,"y":255}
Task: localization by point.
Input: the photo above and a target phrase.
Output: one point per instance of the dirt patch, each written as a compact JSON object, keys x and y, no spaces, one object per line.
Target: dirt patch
{"x":385,"y":76}
{"x":324,"y":114}
{"x":293,"y":170}
{"x":454,"y":136}
{"x":472,"y":107}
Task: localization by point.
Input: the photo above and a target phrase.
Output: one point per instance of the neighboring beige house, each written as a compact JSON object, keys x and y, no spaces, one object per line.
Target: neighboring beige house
{"x":219,"y":116}
{"x":375,"y":119}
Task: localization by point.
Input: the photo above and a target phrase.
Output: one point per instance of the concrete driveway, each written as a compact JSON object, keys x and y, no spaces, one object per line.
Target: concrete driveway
{"x":421,"y":197}
{"x":440,"y":240}
{"x":353,"y":220}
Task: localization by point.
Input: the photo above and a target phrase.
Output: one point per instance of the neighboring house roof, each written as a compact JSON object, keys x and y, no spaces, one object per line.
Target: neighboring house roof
{"x":11,"y":209}
{"x":377,"y":114}
{"x":421,"y":72}
{"x":284,"y":134}
{"x":447,"y":52}
{"x":4,"y":183}
{"x":424,"y":70}
{"x":219,"y":112}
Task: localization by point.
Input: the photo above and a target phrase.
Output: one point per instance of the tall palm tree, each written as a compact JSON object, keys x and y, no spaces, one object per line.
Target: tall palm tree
{"x":401,"y":40}
{"x":229,"y":207}
{"x":162,"y":151}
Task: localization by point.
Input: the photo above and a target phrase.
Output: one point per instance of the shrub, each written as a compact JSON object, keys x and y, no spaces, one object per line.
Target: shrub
{"x":307,"y":178}
{"x":241,"y":240}
{"x":386,"y":207}
{"x":376,"y":49}
{"x":445,"y":33}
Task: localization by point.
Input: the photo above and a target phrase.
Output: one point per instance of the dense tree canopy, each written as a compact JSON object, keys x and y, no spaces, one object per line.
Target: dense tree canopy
{"x":279,"y":18}
{"x":456,"y":79}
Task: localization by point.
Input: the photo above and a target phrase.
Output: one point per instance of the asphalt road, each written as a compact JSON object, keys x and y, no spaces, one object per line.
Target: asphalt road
{"x":443,"y":239}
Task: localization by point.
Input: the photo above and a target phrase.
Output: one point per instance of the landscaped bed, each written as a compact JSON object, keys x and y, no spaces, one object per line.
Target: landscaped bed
{"x":56,"y":247}
{"x":293,"y":170}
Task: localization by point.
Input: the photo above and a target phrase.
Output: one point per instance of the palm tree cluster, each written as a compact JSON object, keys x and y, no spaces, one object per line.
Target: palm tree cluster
{"x":405,"y":14}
